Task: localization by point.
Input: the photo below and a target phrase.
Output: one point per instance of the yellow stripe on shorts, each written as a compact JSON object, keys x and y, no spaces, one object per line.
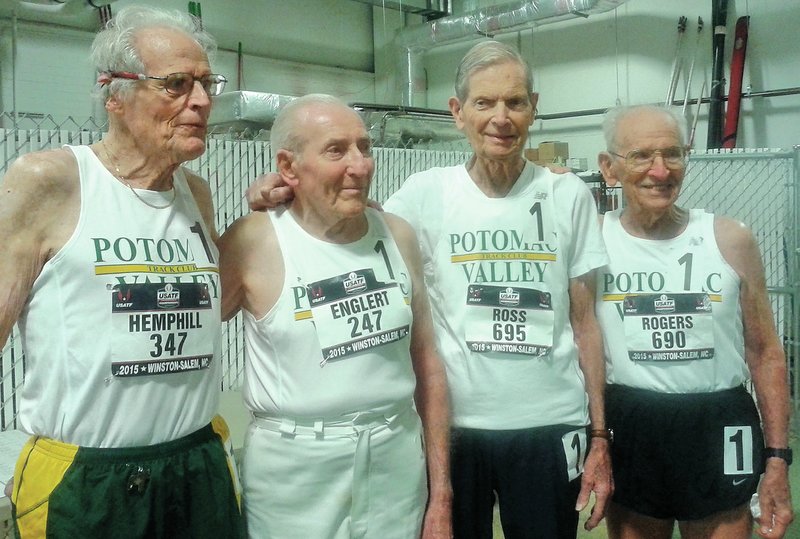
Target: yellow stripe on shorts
{"x":40,"y":468}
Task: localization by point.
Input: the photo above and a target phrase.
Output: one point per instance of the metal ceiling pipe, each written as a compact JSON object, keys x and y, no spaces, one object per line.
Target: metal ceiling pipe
{"x":72,"y":13}
{"x":414,"y":41}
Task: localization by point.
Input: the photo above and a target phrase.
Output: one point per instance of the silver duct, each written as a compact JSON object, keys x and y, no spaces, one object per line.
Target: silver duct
{"x":73,"y":13}
{"x":414,"y":41}
{"x":251,"y":114}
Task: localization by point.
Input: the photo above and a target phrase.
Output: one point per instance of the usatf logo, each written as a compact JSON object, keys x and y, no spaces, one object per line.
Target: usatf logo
{"x":354,"y":283}
{"x":168,"y":297}
{"x":664,"y":304}
{"x":703,"y":304}
{"x":123,"y":298}
{"x":509,"y":297}
{"x":204,"y":298}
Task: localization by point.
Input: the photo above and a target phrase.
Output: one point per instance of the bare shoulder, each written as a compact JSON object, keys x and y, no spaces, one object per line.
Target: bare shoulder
{"x":40,"y":194}
{"x":737,"y":244}
{"x":52,"y":171}
{"x":402,"y":231}
{"x":253,"y":227}
{"x":250,"y":243}
{"x":251,"y":265}
{"x":39,"y":206}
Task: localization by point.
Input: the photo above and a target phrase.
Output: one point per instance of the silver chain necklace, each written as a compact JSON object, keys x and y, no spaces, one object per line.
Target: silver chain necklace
{"x":121,"y":178}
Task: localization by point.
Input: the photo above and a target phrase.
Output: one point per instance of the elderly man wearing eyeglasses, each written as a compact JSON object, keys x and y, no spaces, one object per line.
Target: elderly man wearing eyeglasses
{"x":110,"y":268}
{"x":686,"y":323}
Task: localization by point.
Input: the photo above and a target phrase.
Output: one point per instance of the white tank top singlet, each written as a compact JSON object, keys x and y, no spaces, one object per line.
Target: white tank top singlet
{"x":498,"y":276}
{"x":670,"y":311}
{"x":337,"y":340}
{"x":122,"y":330}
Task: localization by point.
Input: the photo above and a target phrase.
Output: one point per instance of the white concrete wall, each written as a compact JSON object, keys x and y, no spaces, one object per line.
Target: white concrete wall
{"x":626,"y":58}
{"x":347,"y":48}
{"x":289,"y":48}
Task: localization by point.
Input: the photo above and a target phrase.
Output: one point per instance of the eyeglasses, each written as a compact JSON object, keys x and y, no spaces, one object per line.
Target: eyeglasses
{"x":179,"y":83}
{"x":637,"y":160}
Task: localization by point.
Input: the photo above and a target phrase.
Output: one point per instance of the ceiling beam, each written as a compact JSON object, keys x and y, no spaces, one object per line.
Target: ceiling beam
{"x":434,"y":9}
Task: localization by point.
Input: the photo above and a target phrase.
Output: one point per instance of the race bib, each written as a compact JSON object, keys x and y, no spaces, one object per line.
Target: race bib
{"x":513,"y":320}
{"x":354,"y":313}
{"x":669,"y":327}
{"x":161,"y":328}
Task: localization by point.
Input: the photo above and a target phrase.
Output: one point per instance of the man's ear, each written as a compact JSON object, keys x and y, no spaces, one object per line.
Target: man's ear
{"x":534,"y":102}
{"x":284,"y":160}
{"x":113,"y":104}
{"x":455,"y":110}
{"x":604,"y":160}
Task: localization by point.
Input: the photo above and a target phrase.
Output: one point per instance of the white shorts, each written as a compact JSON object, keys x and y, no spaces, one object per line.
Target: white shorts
{"x":362,"y":476}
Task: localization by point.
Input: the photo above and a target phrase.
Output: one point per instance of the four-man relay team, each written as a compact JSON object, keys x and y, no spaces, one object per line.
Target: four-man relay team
{"x":404,"y":376}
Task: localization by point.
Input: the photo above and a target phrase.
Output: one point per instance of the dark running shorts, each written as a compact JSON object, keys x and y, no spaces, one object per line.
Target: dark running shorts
{"x":534,"y":472}
{"x":684,"y":456}
{"x":179,"y":489}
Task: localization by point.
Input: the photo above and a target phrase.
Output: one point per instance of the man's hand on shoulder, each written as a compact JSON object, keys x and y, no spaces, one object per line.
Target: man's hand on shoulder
{"x":268,"y":192}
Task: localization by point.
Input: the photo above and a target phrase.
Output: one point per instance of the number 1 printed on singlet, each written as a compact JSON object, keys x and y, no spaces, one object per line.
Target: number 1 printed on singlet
{"x":536,"y":211}
{"x":380,"y":248}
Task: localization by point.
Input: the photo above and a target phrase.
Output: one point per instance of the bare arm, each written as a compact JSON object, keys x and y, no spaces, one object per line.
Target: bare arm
{"x":251,"y":266}
{"x":765,"y":357}
{"x":39,"y":208}
{"x":597,"y":469}
{"x":431,"y":394}
{"x":267,"y":192}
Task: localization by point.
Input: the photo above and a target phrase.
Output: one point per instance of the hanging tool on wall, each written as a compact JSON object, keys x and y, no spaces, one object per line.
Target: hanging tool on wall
{"x":696,"y":115}
{"x":196,"y":10}
{"x":104,"y":12}
{"x":735,"y":90}
{"x":239,"y":67}
{"x":719,"y":16}
{"x":691,"y":66}
{"x":677,"y":63}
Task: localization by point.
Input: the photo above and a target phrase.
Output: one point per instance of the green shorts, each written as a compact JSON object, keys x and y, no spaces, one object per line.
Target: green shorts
{"x":186,"y":488}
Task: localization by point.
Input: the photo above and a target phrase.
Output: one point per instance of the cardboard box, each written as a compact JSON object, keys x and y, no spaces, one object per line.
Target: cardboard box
{"x":532,"y":154}
{"x":578,"y":163}
{"x":551,"y":152}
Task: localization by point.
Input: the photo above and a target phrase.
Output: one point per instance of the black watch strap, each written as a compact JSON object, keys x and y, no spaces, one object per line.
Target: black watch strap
{"x":784,"y":453}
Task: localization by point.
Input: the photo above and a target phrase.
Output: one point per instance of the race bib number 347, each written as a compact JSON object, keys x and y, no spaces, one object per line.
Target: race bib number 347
{"x":159,"y":328}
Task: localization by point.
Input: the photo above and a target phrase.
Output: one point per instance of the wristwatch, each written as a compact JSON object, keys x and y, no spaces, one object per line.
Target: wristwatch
{"x":606,"y":434}
{"x":784,"y":453}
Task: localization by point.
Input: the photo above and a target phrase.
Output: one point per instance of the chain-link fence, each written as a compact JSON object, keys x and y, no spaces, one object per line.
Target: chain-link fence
{"x":759,"y":188}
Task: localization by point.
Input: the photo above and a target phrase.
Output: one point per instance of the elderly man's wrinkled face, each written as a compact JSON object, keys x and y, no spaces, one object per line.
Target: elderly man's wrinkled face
{"x":161,"y":123}
{"x":655,"y":188}
{"x":335,"y":166}
{"x":497,"y":113}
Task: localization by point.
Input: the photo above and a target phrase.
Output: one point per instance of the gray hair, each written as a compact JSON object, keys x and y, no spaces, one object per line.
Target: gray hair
{"x":614,"y":115}
{"x":114,"y":47}
{"x":285,"y":134}
{"x":486,"y":54}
